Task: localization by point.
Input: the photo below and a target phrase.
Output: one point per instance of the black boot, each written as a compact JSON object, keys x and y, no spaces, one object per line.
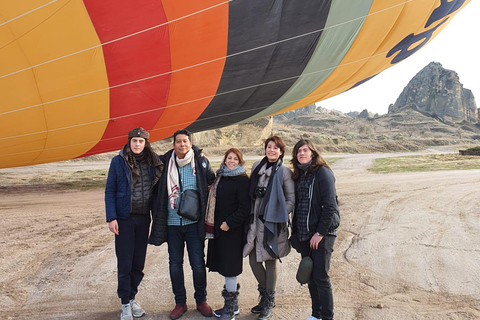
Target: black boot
{"x":267,"y":310}
{"x":231,"y":299}
{"x":218,"y":313}
{"x":261,"y":297}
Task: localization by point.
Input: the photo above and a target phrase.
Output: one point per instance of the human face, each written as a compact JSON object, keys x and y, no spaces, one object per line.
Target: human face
{"x":182,"y":145}
{"x":272,"y":152}
{"x":231,"y":161}
{"x":137,"y":145}
{"x":304,"y":154}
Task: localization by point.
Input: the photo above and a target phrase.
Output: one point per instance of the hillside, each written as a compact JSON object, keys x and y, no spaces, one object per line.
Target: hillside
{"x":333,"y":132}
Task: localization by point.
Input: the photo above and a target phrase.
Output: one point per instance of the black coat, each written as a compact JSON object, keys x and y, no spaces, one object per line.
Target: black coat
{"x":323,"y":215}
{"x":205,"y":177}
{"x":233,"y":206}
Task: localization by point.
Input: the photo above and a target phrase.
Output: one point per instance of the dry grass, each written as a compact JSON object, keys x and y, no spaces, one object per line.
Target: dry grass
{"x":77,"y":180}
{"x":431,"y":162}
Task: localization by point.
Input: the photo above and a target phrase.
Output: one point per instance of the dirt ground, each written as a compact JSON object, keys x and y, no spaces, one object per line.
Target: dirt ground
{"x":407,"y":249}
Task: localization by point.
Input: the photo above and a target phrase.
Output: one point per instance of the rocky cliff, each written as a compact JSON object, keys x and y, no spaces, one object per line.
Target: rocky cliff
{"x":437,"y":92}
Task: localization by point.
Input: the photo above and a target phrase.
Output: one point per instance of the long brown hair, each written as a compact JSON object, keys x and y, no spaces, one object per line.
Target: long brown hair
{"x":237,"y":152}
{"x":278,"y":142}
{"x":317,"y":160}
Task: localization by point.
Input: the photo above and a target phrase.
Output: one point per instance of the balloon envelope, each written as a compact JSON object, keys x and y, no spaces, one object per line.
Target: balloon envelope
{"x":76,"y":76}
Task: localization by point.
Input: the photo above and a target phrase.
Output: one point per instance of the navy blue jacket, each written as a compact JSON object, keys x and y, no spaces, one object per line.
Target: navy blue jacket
{"x":118,"y":195}
{"x":205,"y":177}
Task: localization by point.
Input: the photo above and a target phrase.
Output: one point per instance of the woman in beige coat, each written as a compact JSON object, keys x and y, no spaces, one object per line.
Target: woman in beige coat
{"x":273,"y":195}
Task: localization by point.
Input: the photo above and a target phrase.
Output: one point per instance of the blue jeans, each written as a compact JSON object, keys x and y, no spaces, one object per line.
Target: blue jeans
{"x":319,"y":285}
{"x":177,"y":236}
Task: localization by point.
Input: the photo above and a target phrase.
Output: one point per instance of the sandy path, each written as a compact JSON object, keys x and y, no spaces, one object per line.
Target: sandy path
{"x":407,"y":249}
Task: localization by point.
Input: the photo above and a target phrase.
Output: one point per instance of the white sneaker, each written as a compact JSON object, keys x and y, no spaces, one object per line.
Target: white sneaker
{"x":313,"y":318}
{"x":137,"y":311}
{"x":126,"y":312}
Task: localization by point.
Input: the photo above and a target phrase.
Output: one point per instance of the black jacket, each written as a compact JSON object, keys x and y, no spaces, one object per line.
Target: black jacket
{"x":205,"y":177}
{"x":323,"y":214}
{"x":225,"y":251}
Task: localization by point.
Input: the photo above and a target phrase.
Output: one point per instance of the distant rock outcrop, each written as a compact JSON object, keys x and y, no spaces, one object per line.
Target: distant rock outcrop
{"x":250,"y":134}
{"x":437,"y":92}
{"x":365,"y":114}
{"x":310,"y":109}
{"x":353,"y":114}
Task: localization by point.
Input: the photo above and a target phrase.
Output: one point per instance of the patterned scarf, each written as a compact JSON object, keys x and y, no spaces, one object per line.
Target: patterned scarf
{"x":212,"y":196}
{"x":173,"y":178}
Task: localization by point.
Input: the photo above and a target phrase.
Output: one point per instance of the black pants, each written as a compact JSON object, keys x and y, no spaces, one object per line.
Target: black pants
{"x":131,"y":250}
{"x":319,"y":285}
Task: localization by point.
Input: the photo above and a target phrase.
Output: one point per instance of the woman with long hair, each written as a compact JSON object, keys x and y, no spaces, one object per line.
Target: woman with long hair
{"x":227,"y":211}
{"x":273,"y":195}
{"x":315,"y":222}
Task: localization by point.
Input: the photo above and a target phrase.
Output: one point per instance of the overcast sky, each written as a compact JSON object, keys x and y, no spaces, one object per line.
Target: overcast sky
{"x":456,"y":48}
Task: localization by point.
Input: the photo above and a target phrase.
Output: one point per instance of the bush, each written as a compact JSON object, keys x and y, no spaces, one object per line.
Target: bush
{"x":398,"y":136}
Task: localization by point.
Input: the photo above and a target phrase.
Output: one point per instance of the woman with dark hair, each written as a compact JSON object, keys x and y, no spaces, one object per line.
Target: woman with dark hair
{"x":228,"y":209}
{"x":315,"y":222}
{"x":272,"y":191}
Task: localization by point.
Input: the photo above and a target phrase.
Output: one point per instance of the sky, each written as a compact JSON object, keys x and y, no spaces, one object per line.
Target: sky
{"x":456,"y":47}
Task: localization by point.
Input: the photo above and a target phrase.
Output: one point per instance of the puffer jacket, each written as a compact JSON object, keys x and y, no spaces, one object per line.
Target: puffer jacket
{"x":141,"y":193}
{"x":205,"y":177}
{"x":323,"y":214}
{"x":256,"y":229}
{"x":118,"y":193}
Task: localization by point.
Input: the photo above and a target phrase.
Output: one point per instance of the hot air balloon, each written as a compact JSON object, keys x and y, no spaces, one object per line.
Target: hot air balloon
{"x":76,"y":75}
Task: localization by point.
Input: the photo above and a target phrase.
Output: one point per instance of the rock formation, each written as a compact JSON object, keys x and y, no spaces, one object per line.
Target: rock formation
{"x":310,"y":109}
{"x":365,"y":114}
{"x":437,"y":92}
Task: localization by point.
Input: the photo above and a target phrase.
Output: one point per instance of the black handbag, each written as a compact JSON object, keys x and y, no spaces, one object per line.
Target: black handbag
{"x":189,"y":206}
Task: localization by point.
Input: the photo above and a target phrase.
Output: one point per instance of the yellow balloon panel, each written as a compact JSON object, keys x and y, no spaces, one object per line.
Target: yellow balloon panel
{"x":18,"y":91}
{"x":25,"y":145}
{"x":55,"y":32}
{"x":61,"y":146}
{"x":55,"y":47}
{"x":12,"y":10}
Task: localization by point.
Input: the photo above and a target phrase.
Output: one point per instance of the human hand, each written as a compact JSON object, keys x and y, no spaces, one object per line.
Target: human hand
{"x":113,"y":226}
{"x":315,"y":240}
{"x":224,"y":226}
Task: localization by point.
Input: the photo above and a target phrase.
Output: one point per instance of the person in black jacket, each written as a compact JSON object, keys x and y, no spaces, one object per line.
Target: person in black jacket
{"x":315,"y":222}
{"x":128,"y":196}
{"x":227,"y":211}
{"x":185,"y":169}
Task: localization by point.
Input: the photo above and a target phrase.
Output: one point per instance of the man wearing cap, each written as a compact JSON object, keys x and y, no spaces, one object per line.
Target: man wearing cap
{"x":185,"y":169}
{"x":132,"y":177}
